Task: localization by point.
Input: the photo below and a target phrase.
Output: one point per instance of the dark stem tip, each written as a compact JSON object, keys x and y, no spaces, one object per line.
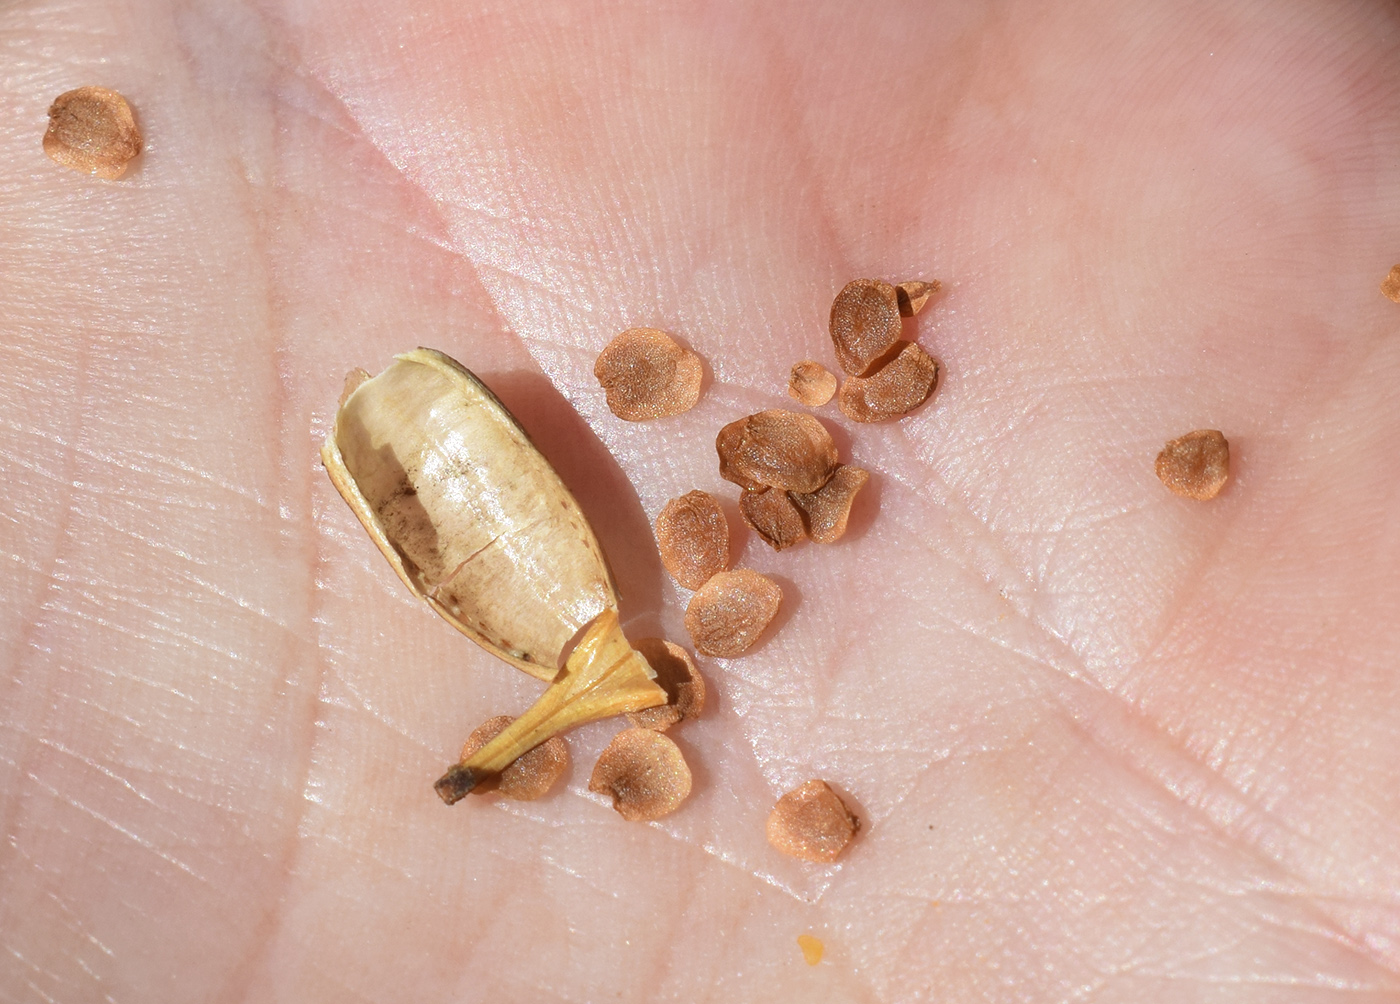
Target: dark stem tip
{"x":457,"y":783}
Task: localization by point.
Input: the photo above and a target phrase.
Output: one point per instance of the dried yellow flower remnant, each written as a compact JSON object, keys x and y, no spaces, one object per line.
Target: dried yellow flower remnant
{"x":730,"y":612}
{"x":1391,"y":286}
{"x":776,"y":449}
{"x":645,"y":774}
{"x":676,"y":674}
{"x":1197,"y":465}
{"x":693,"y":536}
{"x":913,"y":295}
{"x":646,"y":374}
{"x":528,"y":777}
{"x":865,"y":323}
{"x":812,"y":948}
{"x":812,"y":823}
{"x":896,"y":388}
{"x":811,"y":383}
{"x":773,"y":517}
{"x":92,"y":130}
{"x":825,"y":511}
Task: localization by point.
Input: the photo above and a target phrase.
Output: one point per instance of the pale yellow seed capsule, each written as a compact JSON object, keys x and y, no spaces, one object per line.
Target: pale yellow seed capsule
{"x":478,"y":525}
{"x":92,"y":130}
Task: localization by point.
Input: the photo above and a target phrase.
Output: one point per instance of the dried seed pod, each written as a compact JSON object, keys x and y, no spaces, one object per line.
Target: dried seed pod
{"x":811,"y":383}
{"x":1390,"y":286}
{"x":92,"y":130}
{"x":676,"y":674}
{"x":645,"y":774}
{"x":776,"y":449}
{"x":529,"y":777}
{"x":478,"y":525}
{"x":865,"y":323}
{"x":730,"y":612}
{"x":647,"y":375}
{"x":913,"y":295}
{"x":693,"y":536}
{"x":773,"y":517}
{"x":1197,"y":465}
{"x":895,"y":389}
{"x":812,"y":823}
{"x":826,"y":510}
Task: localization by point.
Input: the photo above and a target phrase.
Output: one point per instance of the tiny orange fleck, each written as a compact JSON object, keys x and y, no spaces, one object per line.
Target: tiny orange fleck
{"x":812,"y":948}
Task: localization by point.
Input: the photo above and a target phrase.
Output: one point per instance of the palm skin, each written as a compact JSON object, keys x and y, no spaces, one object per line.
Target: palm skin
{"x":1107,"y":744}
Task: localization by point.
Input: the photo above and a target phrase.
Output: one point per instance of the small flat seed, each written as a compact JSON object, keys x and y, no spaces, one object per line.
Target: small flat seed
{"x":693,"y":536}
{"x":1197,"y":465}
{"x":528,"y":777}
{"x":1391,"y":286}
{"x":730,"y":612}
{"x":676,"y":674}
{"x":773,"y":517}
{"x":895,"y":389}
{"x":913,"y":295}
{"x":825,"y":511}
{"x":776,"y":449}
{"x":92,"y":130}
{"x":865,"y":323}
{"x":645,"y":774}
{"x":811,"y":383}
{"x":812,"y":823}
{"x":646,"y":374}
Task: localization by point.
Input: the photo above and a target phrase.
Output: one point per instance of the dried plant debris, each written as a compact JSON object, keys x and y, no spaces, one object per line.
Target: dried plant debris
{"x":826,"y":510}
{"x":645,"y":774}
{"x":1197,"y":465}
{"x":913,"y":295}
{"x":730,"y":612}
{"x":646,"y":374}
{"x":811,"y":383}
{"x":676,"y":674}
{"x":531,"y":775}
{"x":693,"y":536}
{"x":812,"y":823}
{"x":776,"y":449}
{"x":1391,"y":286}
{"x":812,"y":948}
{"x":865,"y":323}
{"x":895,"y":389}
{"x":92,"y":130}
{"x":773,"y":517}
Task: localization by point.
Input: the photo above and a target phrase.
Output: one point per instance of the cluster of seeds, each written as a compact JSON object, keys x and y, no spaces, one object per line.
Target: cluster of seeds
{"x":886,"y":376}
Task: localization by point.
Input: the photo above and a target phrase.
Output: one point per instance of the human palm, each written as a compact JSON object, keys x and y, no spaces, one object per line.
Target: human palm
{"x":1106,"y":743}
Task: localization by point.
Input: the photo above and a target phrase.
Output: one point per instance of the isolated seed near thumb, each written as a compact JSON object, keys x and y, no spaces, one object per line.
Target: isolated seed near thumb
{"x":92,"y":130}
{"x":812,"y":823}
{"x":1196,"y":465}
{"x":646,"y":374}
{"x":645,"y":774}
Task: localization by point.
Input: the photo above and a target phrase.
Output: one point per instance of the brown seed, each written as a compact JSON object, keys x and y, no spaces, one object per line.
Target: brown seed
{"x":812,"y":823}
{"x":694,"y":538}
{"x":647,"y":375}
{"x":811,"y":383}
{"x":913,"y":295}
{"x":1391,"y":286}
{"x":1197,"y":465}
{"x":645,"y":774}
{"x":776,"y":449}
{"x":825,"y":511}
{"x":895,"y":389}
{"x":92,"y":130}
{"x":677,"y":675}
{"x":728,"y":614}
{"x":773,"y":517}
{"x":865,"y":323}
{"x":532,"y":774}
